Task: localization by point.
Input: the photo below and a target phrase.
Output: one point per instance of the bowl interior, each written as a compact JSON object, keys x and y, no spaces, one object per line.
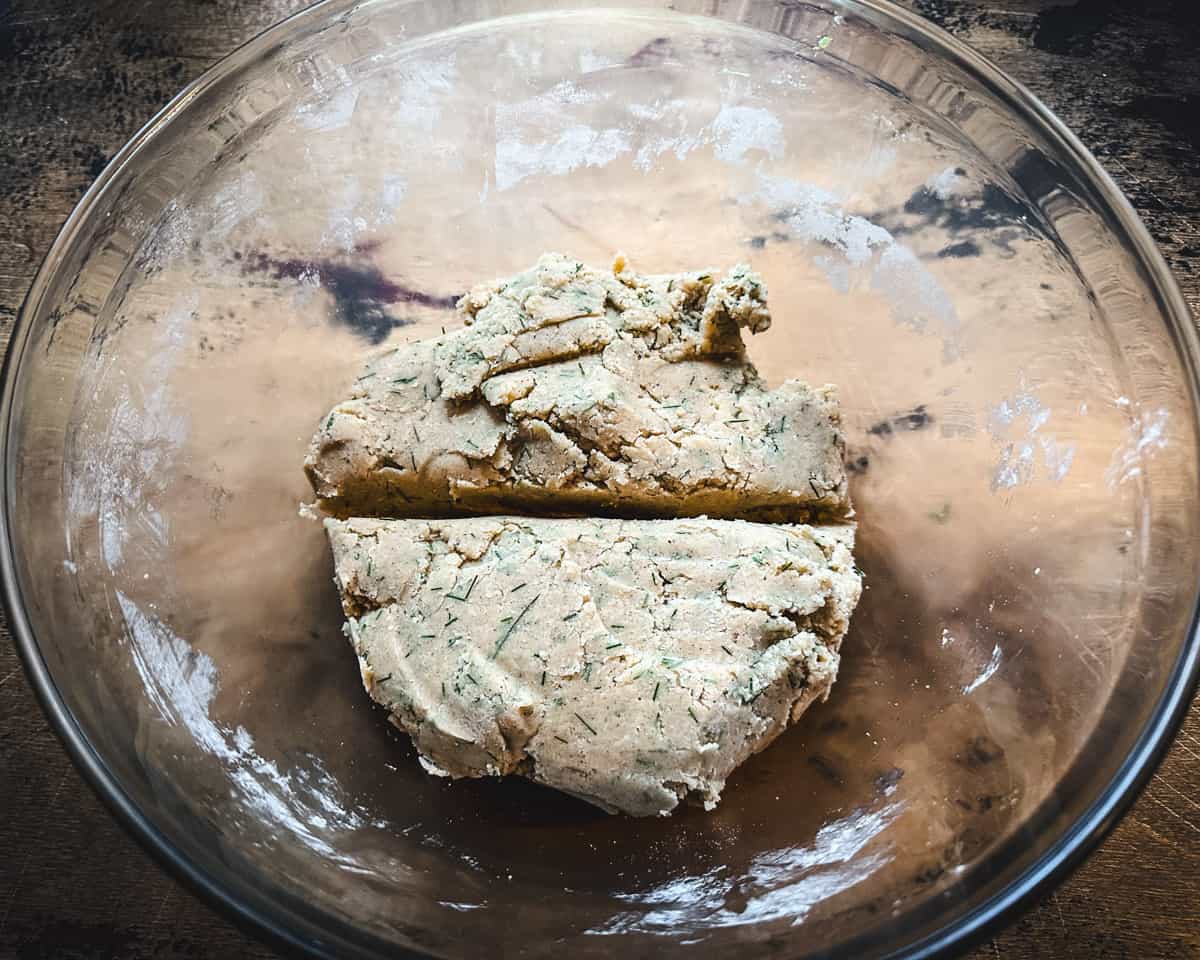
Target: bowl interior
{"x":1020,"y":419}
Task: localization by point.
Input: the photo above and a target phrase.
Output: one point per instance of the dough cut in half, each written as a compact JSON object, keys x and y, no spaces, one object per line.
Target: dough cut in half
{"x":632,"y":663}
{"x":578,"y":391}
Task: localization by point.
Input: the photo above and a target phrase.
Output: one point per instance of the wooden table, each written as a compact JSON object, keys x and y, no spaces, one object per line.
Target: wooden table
{"x":78,"y":77}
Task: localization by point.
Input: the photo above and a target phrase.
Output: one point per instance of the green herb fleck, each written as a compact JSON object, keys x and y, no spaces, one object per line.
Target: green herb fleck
{"x":512,"y":626}
{"x":329,"y":422}
{"x":586,"y":724}
{"x":466,"y":596}
{"x":824,"y":42}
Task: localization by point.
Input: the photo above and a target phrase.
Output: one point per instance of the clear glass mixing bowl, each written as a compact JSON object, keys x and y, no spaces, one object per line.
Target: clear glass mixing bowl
{"x":1019,"y":384}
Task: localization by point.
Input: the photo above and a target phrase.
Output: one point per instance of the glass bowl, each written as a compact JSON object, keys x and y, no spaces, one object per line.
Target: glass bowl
{"x":1018,"y":374}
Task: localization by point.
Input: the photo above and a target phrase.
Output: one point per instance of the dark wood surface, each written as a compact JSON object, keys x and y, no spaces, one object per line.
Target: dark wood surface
{"x":78,"y":77}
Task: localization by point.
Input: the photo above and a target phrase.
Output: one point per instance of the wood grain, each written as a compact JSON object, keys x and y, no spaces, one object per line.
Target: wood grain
{"x":78,"y":78}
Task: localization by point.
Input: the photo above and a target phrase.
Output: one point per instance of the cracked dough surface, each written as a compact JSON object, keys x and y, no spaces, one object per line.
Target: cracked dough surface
{"x":573,"y":390}
{"x":633,"y":664}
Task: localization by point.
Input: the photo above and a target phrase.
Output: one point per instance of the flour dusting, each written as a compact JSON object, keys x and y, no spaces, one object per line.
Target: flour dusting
{"x":1147,"y":433}
{"x":125,"y":455}
{"x":741,"y":130}
{"x":787,"y":884}
{"x":1017,"y":422}
{"x":816,"y":215}
{"x":945,"y":184}
{"x":182,"y":683}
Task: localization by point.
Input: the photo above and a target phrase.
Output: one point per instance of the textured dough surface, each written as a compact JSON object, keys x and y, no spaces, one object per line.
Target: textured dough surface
{"x":573,"y":390}
{"x":632,"y":663}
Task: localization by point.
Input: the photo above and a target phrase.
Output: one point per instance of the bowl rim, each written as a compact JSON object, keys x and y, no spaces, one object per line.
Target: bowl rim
{"x":290,"y":926}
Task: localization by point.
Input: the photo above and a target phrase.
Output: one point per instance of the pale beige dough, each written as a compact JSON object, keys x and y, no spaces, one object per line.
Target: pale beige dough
{"x":632,"y":663}
{"x":573,"y":390}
